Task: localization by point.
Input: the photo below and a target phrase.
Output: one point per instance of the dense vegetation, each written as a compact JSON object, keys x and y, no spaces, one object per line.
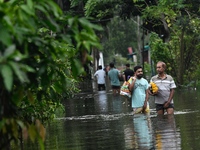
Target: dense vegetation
{"x":170,"y":27}
{"x":42,"y":53}
{"x":44,"y":47}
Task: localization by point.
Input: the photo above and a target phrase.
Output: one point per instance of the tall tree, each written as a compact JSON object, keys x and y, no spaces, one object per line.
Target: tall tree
{"x":175,"y":22}
{"x":179,"y":23}
{"x":39,"y":61}
{"x":120,"y":35}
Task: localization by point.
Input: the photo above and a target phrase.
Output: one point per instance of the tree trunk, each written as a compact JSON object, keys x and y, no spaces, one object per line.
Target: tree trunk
{"x":138,"y":51}
{"x":182,"y":62}
{"x":95,"y":55}
{"x":167,"y":32}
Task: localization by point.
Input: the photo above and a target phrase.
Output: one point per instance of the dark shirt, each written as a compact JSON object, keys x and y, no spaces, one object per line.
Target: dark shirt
{"x":128,"y":73}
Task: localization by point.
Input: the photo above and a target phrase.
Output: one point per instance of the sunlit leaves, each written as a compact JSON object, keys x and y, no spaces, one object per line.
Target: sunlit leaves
{"x":90,"y":7}
{"x":100,"y":9}
{"x":159,"y":50}
{"x":195,"y":25}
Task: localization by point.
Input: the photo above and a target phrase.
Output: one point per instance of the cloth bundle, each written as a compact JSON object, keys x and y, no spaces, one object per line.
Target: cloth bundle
{"x":124,"y":89}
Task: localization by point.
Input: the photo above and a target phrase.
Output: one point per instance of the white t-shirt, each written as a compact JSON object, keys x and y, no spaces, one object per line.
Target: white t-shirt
{"x":100,"y":74}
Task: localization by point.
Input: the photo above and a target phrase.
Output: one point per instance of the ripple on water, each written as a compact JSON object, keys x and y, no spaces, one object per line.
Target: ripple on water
{"x":118,"y":116}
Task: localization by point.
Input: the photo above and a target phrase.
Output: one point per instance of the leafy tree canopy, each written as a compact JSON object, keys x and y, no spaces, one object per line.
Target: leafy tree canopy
{"x":41,"y":53}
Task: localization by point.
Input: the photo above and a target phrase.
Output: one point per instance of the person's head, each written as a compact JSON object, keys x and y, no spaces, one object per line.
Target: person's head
{"x":111,"y":65}
{"x":138,"y":72}
{"x":127,"y":65}
{"x":160,"y":67}
{"x":100,"y":67}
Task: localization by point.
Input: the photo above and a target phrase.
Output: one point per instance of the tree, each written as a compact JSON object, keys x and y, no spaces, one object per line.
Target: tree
{"x":39,"y":62}
{"x":120,"y":35}
{"x":104,"y":12}
{"x":179,"y":22}
{"x":174,"y":22}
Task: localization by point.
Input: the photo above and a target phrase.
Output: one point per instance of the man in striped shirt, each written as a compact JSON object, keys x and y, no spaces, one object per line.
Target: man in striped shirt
{"x":166,"y":86}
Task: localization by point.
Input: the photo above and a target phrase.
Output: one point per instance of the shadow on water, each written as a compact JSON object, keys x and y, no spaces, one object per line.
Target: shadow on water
{"x":99,"y":120}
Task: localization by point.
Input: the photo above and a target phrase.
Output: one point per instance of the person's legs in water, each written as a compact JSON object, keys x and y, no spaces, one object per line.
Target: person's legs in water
{"x":161,"y":110}
{"x":116,"y":89}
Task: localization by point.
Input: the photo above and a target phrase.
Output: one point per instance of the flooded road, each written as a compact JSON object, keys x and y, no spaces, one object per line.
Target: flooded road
{"x":103,"y":121}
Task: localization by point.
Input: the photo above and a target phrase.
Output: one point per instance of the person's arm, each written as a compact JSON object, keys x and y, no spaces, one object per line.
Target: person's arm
{"x":146,"y":99}
{"x":124,"y":77}
{"x":170,"y":98}
{"x":149,"y":91}
{"x":119,"y":74}
{"x":109,"y":77}
{"x":131,"y":85}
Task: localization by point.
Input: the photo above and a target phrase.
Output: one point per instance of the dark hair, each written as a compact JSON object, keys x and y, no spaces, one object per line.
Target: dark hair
{"x":137,"y":67}
{"x":100,"y":67}
{"x":127,"y":65}
{"x":112,"y":65}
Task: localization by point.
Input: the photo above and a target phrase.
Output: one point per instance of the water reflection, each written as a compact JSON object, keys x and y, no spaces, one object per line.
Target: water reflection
{"x":138,"y":135}
{"x":167,"y":136}
{"x":143,"y":131}
{"x":106,"y":122}
{"x":129,"y":138}
{"x":107,"y":103}
{"x":117,"y":104}
{"x":101,"y":102}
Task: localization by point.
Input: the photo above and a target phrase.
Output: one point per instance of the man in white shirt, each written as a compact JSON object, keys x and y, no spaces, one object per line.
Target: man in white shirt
{"x":100,"y":74}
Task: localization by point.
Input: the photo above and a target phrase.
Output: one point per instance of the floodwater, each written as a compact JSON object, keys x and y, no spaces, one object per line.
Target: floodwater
{"x":101,"y":121}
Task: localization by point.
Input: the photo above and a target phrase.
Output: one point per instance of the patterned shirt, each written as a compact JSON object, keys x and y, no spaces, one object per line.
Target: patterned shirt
{"x":139,"y":92}
{"x":164,"y":86}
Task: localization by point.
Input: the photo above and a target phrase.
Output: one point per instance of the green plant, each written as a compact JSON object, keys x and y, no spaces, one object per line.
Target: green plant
{"x":42,"y":53}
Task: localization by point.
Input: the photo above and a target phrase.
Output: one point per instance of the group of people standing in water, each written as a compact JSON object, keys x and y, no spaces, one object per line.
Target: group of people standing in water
{"x":140,"y":88}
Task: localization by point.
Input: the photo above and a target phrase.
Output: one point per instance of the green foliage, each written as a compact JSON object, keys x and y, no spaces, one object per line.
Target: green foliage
{"x":166,"y":52}
{"x":176,"y":22}
{"x":100,"y":9}
{"x":41,"y":55}
{"x":119,"y":35}
{"x":180,"y":52}
{"x":159,"y":50}
{"x":120,"y":61}
{"x":147,"y":71}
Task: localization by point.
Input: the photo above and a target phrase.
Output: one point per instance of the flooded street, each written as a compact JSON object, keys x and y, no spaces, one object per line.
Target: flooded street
{"x":103,"y":121}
